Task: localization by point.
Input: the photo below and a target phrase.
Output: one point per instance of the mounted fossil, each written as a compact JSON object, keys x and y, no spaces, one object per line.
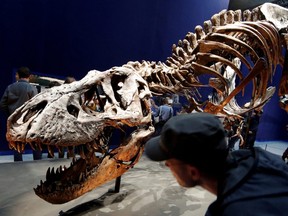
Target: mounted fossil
{"x":61,"y":115}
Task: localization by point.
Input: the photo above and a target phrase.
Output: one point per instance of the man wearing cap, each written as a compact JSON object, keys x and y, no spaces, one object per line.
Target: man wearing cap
{"x":246,"y":182}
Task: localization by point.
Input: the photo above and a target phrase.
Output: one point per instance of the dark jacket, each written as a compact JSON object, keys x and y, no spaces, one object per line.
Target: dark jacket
{"x":256,"y":183}
{"x":16,"y":95}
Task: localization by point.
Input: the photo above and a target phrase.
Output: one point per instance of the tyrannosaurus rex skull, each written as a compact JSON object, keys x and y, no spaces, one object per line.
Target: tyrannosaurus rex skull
{"x":60,"y":116}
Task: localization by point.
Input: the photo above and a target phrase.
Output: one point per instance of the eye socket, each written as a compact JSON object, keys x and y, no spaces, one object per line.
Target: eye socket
{"x":117,"y":82}
{"x":73,"y":110}
{"x":94,"y":98}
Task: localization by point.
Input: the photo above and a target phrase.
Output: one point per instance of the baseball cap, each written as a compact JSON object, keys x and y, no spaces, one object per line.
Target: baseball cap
{"x":189,"y":137}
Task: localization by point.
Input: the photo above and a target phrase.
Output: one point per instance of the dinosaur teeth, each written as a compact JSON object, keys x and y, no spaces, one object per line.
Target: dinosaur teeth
{"x":94,"y":145}
{"x":60,"y":150}
{"x":51,"y":150}
{"x":81,"y":177}
{"x":58,"y":171}
{"x":52,"y":174}
{"x":36,"y":146}
{"x":47,"y":173}
{"x":39,"y":145}
{"x":32,"y":145}
{"x":17,"y":144}
{"x":20,"y":147}
{"x":12,"y":145}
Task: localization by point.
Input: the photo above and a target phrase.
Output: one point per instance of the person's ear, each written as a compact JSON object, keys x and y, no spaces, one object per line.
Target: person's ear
{"x":194,"y":172}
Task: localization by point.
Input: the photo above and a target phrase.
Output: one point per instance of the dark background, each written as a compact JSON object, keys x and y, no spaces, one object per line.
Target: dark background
{"x":71,"y":37}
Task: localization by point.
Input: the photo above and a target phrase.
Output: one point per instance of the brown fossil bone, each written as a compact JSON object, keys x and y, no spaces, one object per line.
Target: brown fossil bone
{"x":62,"y":116}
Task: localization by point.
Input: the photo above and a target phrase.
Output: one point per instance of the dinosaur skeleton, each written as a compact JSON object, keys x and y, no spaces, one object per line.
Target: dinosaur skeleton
{"x":60,"y":116}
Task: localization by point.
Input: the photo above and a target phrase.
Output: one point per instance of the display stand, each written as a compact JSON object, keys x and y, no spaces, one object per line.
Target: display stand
{"x":117,"y":186}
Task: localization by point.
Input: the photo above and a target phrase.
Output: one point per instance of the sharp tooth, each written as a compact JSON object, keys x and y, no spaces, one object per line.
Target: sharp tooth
{"x":57,"y":171}
{"x":33,"y":146}
{"x":102,"y":141}
{"x":94,"y":145}
{"x":12,"y":145}
{"x":52,"y":171}
{"x":22,"y":147}
{"x":18,"y":146}
{"x":48,"y":173}
{"x":51,"y":150}
{"x":39,"y":146}
{"x":60,"y":149}
{"x":80,"y":177}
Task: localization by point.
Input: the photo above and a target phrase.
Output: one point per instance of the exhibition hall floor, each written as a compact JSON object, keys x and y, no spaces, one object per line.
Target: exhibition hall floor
{"x":147,"y":189}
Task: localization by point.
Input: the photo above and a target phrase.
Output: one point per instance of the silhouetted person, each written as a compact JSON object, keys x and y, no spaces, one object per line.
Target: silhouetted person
{"x":249,"y":132}
{"x":69,"y":79}
{"x":15,"y":95}
{"x":164,"y":112}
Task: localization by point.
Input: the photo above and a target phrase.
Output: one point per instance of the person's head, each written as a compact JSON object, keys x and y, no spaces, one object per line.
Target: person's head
{"x":69,"y":79}
{"x":53,"y":83}
{"x":169,"y":101}
{"x":23,"y":73}
{"x":193,"y":146}
{"x":164,"y":101}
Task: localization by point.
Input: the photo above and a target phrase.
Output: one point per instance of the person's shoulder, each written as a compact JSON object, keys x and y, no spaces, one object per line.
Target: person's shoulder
{"x":24,"y":84}
{"x":13,"y":85}
{"x":21,"y":82}
{"x":267,"y":156}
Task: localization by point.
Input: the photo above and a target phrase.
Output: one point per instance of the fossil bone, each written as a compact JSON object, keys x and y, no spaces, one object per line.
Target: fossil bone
{"x":61,"y":115}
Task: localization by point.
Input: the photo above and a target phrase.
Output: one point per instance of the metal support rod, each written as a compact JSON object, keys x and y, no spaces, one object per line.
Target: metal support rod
{"x":117,"y":184}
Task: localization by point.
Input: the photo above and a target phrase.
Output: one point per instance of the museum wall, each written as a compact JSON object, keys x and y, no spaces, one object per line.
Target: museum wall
{"x":71,"y":37}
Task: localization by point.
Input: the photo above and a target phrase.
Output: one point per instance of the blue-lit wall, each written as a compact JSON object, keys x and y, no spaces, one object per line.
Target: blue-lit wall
{"x":61,"y":37}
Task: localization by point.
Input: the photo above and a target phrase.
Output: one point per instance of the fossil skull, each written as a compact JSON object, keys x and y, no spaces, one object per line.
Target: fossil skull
{"x":124,"y":103}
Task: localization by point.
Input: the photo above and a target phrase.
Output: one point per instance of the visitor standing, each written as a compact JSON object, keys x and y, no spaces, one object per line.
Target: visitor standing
{"x":164,"y":112}
{"x":15,"y":95}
